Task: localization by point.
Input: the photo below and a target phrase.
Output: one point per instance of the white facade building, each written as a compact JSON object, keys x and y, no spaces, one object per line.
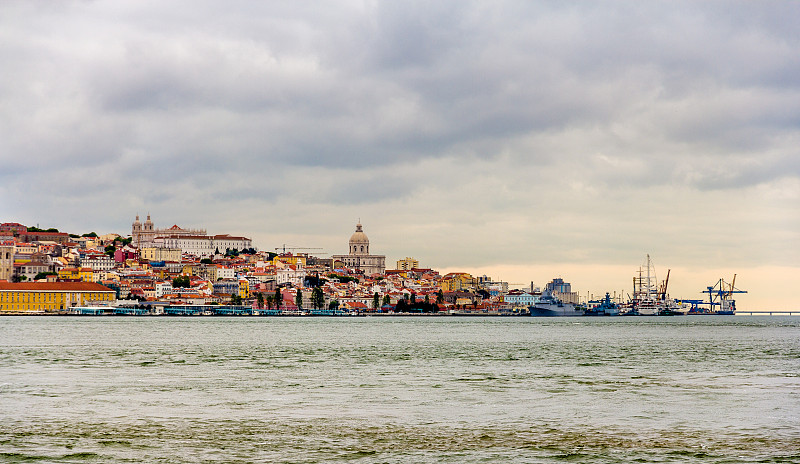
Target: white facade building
{"x":203,"y":245}
{"x":163,"y":288}
{"x":98,"y":262}
{"x":224,"y":272}
{"x":291,"y":274}
{"x":521,"y":298}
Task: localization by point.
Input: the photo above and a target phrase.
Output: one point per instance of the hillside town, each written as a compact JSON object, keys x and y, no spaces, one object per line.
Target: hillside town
{"x":174,"y":270}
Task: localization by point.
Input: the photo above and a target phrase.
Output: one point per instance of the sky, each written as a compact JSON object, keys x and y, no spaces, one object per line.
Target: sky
{"x":522,"y":140}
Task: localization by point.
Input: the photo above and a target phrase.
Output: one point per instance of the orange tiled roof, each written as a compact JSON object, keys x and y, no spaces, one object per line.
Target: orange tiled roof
{"x":55,"y":286}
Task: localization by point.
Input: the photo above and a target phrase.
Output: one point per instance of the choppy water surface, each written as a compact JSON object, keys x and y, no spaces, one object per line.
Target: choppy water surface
{"x":685,"y":389}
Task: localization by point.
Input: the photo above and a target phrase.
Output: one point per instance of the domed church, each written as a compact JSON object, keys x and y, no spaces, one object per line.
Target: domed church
{"x":359,"y":257}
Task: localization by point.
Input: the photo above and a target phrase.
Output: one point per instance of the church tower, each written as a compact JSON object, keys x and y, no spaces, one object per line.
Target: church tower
{"x":136,"y":232}
{"x":148,"y":234}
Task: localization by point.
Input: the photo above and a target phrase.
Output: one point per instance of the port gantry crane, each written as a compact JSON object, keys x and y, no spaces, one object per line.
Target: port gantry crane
{"x":720,"y":294}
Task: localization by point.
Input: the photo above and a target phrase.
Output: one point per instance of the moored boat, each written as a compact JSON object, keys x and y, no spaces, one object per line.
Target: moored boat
{"x":549,"y":306}
{"x":605,"y":307}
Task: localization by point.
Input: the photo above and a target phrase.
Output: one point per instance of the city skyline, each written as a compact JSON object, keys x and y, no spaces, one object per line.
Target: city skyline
{"x":520,"y":140}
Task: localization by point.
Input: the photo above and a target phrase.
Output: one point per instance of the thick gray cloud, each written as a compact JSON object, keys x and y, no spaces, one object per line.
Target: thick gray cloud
{"x":468,"y":133}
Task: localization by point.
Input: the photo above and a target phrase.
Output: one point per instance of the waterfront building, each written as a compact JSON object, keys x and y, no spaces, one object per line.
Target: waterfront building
{"x":163,"y":288}
{"x":51,"y":296}
{"x":520,"y":298}
{"x":226,"y":287}
{"x":407,"y":263}
{"x":359,"y":257}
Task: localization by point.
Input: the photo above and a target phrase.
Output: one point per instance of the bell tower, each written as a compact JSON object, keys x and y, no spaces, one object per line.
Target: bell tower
{"x":136,"y":232}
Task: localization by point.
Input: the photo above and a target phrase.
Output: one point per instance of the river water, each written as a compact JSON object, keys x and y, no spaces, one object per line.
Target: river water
{"x":719,"y":389}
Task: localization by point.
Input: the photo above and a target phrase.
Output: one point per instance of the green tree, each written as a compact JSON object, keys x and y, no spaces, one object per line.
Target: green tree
{"x":439,"y":297}
{"x":386,"y":300}
{"x":43,"y":275}
{"x":333,"y":305}
{"x":260,"y":300}
{"x":317,"y":298}
{"x":36,"y":229}
{"x":298,"y":299}
{"x":376,"y":299}
{"x":181,"y":282}
{"x":236,"y":299}
{"x":278,"y":298}
{"x":110,"y":249}
{"x":269,"y":299}
{"x":206,"y":261}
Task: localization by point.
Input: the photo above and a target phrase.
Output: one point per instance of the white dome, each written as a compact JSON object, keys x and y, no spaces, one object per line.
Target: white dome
{"x":359,"y":236}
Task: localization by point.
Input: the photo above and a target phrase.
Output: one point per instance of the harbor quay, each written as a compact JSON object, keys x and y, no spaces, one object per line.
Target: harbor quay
{"x":175,"y":271}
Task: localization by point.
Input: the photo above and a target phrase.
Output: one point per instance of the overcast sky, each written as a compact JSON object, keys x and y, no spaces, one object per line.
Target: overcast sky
{"x":525,"y":139}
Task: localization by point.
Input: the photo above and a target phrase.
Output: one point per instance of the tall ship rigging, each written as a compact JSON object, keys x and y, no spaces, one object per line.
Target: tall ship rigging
{"x":649,"y":297}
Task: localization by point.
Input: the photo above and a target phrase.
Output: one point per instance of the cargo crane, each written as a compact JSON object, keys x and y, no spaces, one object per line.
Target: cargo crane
{"x":284,"y":248}
{"x":720,"y":294}
{"x":663,"y":290}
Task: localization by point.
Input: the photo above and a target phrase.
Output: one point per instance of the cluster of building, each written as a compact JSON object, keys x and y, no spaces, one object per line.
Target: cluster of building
{"x":56,"y":272}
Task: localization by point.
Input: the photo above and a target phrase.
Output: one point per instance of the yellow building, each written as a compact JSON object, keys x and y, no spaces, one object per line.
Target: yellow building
{"x":51,"y":296}
{"x":407,"y":263}
{"x":190,"y":269}
{"x":85,"y":274}
{"x":161,"y":254}
{"x":244,"y":288}
{"x":456,"y":281}
{"x":289,"y":259}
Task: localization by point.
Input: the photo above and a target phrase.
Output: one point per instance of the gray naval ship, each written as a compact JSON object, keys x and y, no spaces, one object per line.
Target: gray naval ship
{"x":551,"y":306}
